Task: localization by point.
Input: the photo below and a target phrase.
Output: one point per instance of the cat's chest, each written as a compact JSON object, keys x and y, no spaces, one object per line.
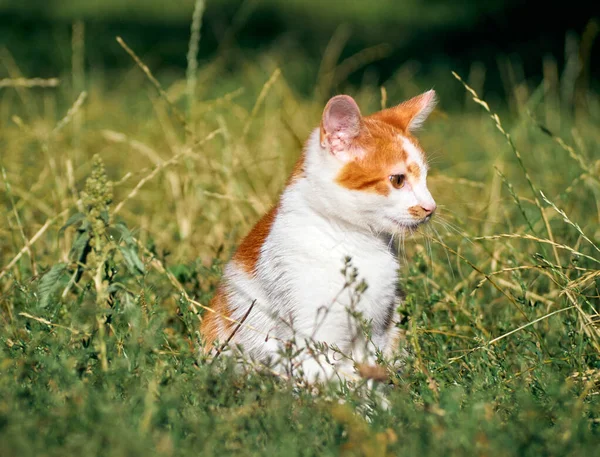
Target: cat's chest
{"x":370,"y":260}
{"x":322,"y":260}
{"x":376,"y":268}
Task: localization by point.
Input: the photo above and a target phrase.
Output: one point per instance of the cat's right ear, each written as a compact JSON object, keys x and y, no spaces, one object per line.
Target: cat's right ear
{"x":340,"y":125}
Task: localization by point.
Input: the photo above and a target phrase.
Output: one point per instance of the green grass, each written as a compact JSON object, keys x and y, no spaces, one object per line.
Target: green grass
{"x":98,"y":321}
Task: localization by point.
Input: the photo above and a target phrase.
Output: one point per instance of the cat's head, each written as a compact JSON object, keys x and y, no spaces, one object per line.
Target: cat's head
{"x":378,"y":168}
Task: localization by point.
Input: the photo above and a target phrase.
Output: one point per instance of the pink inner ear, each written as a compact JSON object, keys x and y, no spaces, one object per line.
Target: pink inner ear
{"x":341,"y":119}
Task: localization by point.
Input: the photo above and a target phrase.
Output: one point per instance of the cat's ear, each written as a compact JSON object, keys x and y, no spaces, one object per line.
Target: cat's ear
{"x":340,"y":125}
{"x":410,"y":114}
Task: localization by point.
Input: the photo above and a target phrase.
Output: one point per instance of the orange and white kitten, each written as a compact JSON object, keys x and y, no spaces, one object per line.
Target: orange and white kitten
{"x":359,"y":181}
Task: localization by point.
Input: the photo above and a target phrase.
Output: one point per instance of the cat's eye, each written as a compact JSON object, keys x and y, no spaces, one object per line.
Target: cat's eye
{"x":397,"y":180}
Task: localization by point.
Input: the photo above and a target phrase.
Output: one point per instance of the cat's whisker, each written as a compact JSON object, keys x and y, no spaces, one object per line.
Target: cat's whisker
{"x":433,"y":157}
{"x":440,"y":216}
{"x":448,"y":226}
{"x":451,"y":227}
{"x":429,"y":250}
{"x":445,"y":250}
{"x":403,"y":249}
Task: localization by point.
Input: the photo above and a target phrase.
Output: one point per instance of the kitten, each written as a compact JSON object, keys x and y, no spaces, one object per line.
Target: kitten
{"x":359,"y":181}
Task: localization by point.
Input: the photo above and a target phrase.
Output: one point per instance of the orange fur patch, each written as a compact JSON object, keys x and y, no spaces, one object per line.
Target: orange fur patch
{"x":322,"y":132}
{"x":414,"y":171}
{"x":400,"y":116}
{"x":417,"y":211}
{"x":298,"y":170}
{"x":249,"y":251}
{"x":213,"y":322}
{"x":246,"y":257}
{"x":379,"y":140}
{"x":396,"y":117}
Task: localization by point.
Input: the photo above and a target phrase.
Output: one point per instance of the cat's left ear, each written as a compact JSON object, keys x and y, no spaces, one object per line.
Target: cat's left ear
{"x":411,"y":114}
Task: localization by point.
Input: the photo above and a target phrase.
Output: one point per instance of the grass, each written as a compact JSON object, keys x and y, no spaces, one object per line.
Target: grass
{"x":107,"y":261}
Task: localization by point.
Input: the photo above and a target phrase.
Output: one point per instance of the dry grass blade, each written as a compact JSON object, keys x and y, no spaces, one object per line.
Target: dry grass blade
{"x":192,"y":55}
{"x":235,"y":330}
{"x":73,"y":110}
{"x":33,"y":239}
{"x":144,"y":149}
{"x":459,"y":181}
{"x":517,"y":200}
{"x":578,"y":180}
{"x":526,"y":268}
{"x":539,"y":240}
{"x":384,"y":97}
{"x":445,"y":333}
{"x":27,"y":197}
{"x":51,"y":324}
{"x":263,"y":93}
{"x":29,"y":82}
{"x":330,"y":57}
{"x":528,"y":294}
{"x":569,"y":221}
{"x":359,"y":60}
{"x":499,"y":126}
{"x":507,"y":334}
{"x":588,"y":325}
{"x":180,"y":117}
{"x":583,"y":281}
{"x":158,"y":168}
{"x":14,"y":72}
{"x":569,"y":149}
{"x":223,"y":100}
{"x":19,"y":223}
{"x":480,"y":271}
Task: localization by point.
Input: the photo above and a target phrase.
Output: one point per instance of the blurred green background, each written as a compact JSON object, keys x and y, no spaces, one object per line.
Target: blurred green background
{"x":439,"y":35}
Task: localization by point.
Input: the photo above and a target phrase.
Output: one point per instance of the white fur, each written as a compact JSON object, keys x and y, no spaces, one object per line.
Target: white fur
{"x":296,"y":290}
{"x":422,"y":196}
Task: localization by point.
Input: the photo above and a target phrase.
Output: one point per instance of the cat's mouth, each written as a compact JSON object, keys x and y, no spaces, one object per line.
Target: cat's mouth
{"x":410,"y":224}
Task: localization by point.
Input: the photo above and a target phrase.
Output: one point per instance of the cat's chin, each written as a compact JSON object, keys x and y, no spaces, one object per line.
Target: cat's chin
{"x":403,"y":227}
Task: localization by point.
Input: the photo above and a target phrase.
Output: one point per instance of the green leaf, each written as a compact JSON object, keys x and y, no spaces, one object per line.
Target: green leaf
{"x":181,"y":271}
{"x":50,"y":283}
{"x":74,"y":219}
{"x":79,"y":246}
{"x":125,"y":233}
{"x":116,"y":286}
{"x":133,"y":262}
{"x":105,"y":217}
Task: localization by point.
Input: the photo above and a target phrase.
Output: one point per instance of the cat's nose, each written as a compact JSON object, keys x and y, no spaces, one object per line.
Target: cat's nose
{"x":428,"y":208}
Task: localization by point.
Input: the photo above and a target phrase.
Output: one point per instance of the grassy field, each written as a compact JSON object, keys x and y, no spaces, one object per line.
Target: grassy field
{"x":123,"y":200}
